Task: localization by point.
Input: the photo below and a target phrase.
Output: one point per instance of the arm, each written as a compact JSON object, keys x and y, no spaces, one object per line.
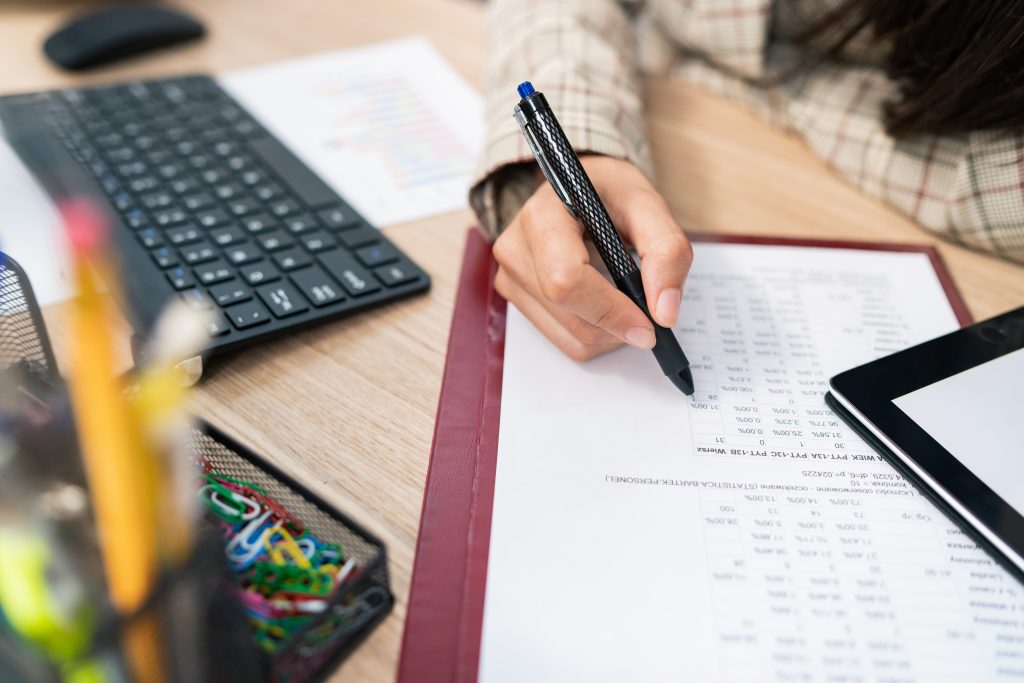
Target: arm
{"x":581,"y":54}
{"x":966,"y":188}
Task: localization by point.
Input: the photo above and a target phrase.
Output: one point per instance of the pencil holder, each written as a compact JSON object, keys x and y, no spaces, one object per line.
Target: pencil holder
{"x":306,"y":619}
{"x":288,"y":602}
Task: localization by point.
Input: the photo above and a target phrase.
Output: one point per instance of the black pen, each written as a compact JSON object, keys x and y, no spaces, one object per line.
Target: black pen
{"x":564,"y":171}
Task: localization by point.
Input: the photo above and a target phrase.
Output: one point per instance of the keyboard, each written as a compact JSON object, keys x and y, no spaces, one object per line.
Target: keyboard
{"x":212,"y":208}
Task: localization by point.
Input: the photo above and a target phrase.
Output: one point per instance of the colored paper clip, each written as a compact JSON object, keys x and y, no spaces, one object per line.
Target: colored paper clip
{"x":247,"y":545}
{"x":229,"y":505}
{"x":287,"y":543}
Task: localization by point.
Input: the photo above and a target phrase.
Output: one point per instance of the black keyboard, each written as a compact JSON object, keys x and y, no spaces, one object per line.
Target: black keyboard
{"x":216,"y":210}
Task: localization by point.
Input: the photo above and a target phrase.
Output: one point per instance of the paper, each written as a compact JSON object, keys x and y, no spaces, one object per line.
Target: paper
{"x":748,"y":534}
{"x":393,"y":128}
{"x":975,"y":415}
{"x":31,"y":231}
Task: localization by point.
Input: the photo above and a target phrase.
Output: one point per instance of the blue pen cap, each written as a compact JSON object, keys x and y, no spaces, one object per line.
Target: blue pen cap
{"x":525,"y":89}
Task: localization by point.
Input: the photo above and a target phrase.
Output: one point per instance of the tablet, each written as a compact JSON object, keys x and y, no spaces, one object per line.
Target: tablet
{"x":949,"y":414}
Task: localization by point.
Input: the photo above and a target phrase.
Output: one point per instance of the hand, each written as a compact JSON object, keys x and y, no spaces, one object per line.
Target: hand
{"x":545,"y":269}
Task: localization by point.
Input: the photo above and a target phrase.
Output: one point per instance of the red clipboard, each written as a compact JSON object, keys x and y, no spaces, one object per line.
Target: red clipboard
{"x":444,"y":616}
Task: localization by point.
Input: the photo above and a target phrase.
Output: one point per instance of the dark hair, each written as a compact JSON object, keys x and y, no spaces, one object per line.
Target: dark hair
{"x":959,"y":64}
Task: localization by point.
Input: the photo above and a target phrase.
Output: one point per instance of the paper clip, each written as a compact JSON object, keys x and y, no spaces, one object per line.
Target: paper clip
{"x":247,"y":545}
{"x":235,"y":509}
{"x":289,"y":545}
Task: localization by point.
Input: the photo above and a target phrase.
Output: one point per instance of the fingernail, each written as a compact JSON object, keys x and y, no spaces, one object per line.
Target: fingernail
{"x":667,"y":309}
{"x":640,"y":337}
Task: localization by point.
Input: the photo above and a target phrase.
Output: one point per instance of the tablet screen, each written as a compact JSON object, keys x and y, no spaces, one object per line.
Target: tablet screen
{"x":976,"y":416}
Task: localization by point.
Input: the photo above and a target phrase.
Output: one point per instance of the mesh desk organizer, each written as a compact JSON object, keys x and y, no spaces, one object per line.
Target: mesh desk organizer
{"x":308,"y":649}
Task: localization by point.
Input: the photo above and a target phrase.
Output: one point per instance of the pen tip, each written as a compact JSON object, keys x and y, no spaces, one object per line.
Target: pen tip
{"x":684,"y":381}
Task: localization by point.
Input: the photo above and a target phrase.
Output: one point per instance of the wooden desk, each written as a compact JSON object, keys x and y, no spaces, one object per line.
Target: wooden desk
{"x":349,"y":408}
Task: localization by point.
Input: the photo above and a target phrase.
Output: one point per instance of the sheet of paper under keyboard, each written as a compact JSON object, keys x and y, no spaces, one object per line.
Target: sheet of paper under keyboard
{"x":745,"y":535}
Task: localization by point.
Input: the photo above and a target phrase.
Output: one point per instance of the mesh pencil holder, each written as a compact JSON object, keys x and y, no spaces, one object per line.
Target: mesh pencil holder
{"x":311,"y":650}
{"x":296,"y":649}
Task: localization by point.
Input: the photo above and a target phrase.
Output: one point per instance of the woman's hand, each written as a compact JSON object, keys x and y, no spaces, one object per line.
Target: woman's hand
{"x":544,"y":267}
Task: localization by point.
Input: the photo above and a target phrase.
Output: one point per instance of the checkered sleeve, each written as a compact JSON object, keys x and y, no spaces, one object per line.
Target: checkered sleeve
{"x":967,"y":188}
{"x":581,"y":55}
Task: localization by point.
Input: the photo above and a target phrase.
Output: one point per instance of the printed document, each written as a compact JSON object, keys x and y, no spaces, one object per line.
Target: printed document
{"x":391,"y":127}
{"x":744,"y":534}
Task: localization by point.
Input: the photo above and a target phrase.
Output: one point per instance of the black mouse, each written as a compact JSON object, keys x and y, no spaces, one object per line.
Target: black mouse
{"x":106,"y":35}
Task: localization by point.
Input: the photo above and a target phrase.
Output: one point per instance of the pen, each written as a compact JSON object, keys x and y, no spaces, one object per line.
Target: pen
{"x":563,"y":170}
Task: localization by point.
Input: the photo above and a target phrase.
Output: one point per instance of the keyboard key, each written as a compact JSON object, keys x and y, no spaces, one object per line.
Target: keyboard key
{"x":200,"y":252}
{"x":217,"y":325}
{"x":130,"y":170}
{"x":352,"y":276}
{"x":165,"y":257}
{"x":257,"y":273}
{"x":227,"y":236}
{"x":291,"y":259}
{"x":360,"y":237}
{"x":146,"y":183}
{"x":377,"y":255}
{"x":269,"y":191}
{"x":258,"y":223}
{"x":285,"y":207}
{"x":169,"y":217}
{"x":150,"y":238}
{"x":200,"y":161}
{"x":338,"y":219}
{"x":244,"y":206}
{"x":275,"y":240}
{"x":318,"y":240}
{"x":198,"y":202}
{"x":300,"y":223}
{"x":183,"y":234}
{"x":180,"y":278}
{"x":317,"y":285}
{"x":282,"y":299}
{"x":395,"y":274}
{"x":157,"y":200}
{"x":228,"y":191}
{"x":184,"y":185}
{"x":214,"y":272}
{"x":242,"y":253}
{"x":230,"y":293}
{"x":212,"y":218}
{"x":252,"y":178}
{"x":197,"y":299}
{"x":248,"y":314}
{"x":136,"y":219}
{"x":213,"y":176}
{"x":171,"y":170}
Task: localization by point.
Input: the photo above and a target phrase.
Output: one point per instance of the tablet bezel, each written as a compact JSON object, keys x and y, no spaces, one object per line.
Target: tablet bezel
{"x":871,"y":389}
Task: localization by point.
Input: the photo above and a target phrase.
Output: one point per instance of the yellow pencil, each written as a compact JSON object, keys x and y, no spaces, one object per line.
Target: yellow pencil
{"x":122,"y":471}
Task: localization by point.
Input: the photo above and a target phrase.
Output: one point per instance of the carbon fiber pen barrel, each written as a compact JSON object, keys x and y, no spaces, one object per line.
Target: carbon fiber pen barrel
{"x":586,"y":205}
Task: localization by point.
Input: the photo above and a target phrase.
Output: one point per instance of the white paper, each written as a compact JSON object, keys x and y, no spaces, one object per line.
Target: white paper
{"x":746,"y":535}
{"x":975,"y":415}
{"x":392,"y":127}
{"x":31,"y":231}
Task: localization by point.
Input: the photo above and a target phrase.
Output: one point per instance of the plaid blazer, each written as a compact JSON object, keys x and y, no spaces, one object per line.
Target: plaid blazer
{"x":586,"y":55}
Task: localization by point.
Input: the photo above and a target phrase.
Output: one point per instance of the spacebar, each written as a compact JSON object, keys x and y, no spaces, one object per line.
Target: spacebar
{"x":307,"y":185}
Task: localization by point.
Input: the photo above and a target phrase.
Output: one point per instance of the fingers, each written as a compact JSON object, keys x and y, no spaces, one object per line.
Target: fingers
{"x":566,"y":279}
{"x":577,"y":348}
{"x":546,"y":271}
{"x":665,"y":253}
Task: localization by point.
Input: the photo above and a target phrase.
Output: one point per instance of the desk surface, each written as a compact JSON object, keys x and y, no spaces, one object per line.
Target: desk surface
{"x":349,"y":408}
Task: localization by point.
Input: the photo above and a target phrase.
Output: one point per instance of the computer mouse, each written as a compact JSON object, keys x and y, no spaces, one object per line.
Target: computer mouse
{"x":106,"y":35}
